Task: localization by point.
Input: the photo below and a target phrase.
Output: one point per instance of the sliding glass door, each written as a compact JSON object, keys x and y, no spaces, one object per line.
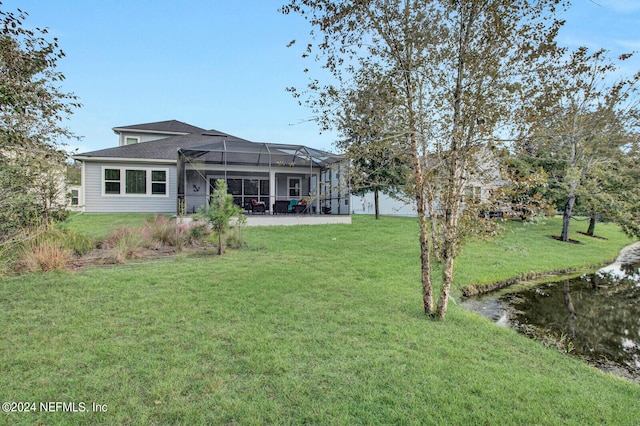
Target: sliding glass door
{"x":245,"y":189}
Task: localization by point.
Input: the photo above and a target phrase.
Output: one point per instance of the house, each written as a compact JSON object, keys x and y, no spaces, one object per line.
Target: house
{"x":389,"y":206}
{"x":74,"y":202}
{"x":481,"y":185}
{"x":171,"y":167}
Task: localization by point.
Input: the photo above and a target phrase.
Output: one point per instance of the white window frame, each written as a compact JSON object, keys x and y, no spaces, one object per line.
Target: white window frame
{"x":137,"y":138}
{"x":289,"y":187}
{"x":165,"y":181}
{"x":75,"y":197}
{"x":123,"y":181}
{"x":104,"y":180}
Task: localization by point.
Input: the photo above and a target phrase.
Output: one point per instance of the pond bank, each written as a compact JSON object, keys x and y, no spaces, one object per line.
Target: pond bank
{"x":480,"y":289}
{"x":594,"y":316}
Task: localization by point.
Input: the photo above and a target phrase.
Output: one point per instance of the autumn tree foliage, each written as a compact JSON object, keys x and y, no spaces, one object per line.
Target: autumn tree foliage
{"x":456,"y":72}
{"x":586,"y":134}
{"x":366,"y":121}
{"x":33,"y":108}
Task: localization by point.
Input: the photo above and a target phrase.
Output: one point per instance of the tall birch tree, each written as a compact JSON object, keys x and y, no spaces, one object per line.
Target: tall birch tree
{"x":458,"y":68}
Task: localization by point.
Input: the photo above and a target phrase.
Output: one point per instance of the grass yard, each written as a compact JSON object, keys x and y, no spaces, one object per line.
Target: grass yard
{"x":310,"y":324}
{"x":99,"y":226}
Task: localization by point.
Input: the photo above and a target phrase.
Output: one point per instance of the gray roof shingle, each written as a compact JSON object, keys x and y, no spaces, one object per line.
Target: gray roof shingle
{"x":169,"y":126}
{"x":161,"y":149}
{"x":205,"y":144}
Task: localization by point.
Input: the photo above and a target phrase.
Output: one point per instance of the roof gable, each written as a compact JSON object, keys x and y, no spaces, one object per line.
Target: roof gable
{"x":169,"y":126}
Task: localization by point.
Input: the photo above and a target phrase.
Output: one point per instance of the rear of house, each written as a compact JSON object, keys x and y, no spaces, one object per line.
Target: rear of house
{"x":171,"y":167}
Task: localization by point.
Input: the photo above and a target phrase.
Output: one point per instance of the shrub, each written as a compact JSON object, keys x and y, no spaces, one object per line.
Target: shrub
{"x":161,"y":229}
{"x":165,"y":232}
{"x":198,"y":232}
{"x":43,"y":248}
{"x":19,"y":209}
{"x":47,"y":255}
{"x":80,"y":244}
{"x":220,"y":212}
{"x":128,"y":245}
{"x":58,"y":215}
{"x":8,"y":258}
{"x":234,"y":239}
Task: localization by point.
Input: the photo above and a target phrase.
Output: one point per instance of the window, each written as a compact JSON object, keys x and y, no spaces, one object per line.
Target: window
{"x":158,"y":182}
{"x":234,"y":186}
{"x":112,"y":181}
{"x":135,"y":181}
{"x":129,"y":140}
{"x":472,"y":193}
{"x":294,"y":187}
{"x":244,"y":190}
{"x":264,"y":191}
{"x":251,"y":186}
{"x":74,"y":197}
{"x":264,"y":186}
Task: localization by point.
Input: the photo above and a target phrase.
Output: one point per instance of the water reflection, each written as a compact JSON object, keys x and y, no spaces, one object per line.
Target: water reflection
{"x":595,"y":316}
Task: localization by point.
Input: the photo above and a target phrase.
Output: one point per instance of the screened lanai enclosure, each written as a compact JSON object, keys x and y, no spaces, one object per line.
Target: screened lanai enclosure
{"x":263,"y":177}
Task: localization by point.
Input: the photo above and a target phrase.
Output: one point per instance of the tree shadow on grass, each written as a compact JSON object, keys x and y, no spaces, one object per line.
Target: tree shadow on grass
{"x":558,"y":238}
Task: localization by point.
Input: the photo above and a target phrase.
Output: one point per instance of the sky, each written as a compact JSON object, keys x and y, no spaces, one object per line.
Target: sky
{"x":224,"y":65}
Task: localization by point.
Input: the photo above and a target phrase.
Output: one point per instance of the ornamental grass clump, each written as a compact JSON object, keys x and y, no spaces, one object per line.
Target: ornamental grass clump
{"x":47,"y":256}
{"x":48,"y":248}
{"x":125,"y":243}
{"x":162,"y":230}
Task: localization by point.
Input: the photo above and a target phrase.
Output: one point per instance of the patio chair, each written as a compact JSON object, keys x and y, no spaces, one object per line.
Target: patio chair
{"x":281,"y":207}
{"x":292,"y":204}
{"x":301,"y":207}
{"x":258,"y":206}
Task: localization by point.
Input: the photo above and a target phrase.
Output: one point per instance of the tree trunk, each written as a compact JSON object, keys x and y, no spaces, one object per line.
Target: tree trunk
{"x":425,"y":257}
{"x":427,"y":288}
{"x":566,"y":217}
{"x":450,"y":240}
{"x":376,"y":197}
{"x":447,"y":278}
{"x":220,"y":243}
{"x":421,"y":206}
{"x":433,"y":219}
{"x":592,"y":225}
{"x":455,"y":165}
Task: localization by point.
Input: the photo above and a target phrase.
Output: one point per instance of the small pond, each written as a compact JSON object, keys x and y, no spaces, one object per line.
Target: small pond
{"x":594,"y":316}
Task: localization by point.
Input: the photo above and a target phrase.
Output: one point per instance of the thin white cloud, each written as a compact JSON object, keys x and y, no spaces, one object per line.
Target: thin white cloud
{"x":619,"y":5}
{"x":629,"y":44}
{"x":573,"y":41}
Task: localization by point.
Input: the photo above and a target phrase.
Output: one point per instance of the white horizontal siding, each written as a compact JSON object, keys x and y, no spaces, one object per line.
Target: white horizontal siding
{"x":389,"y":206}
{"x":142,"y":137}
{"x":95,"y":202}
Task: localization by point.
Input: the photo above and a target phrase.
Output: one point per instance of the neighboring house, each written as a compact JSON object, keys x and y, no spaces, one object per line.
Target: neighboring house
{"x":480,"y":186}
{"x":74,"y":199}
{"x":172,"y":167}
{"x":389,"y":206}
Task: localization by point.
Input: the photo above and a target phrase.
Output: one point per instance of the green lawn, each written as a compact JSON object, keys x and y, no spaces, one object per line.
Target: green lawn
{"x":99,"y":226}
{"x":310,"y":324}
